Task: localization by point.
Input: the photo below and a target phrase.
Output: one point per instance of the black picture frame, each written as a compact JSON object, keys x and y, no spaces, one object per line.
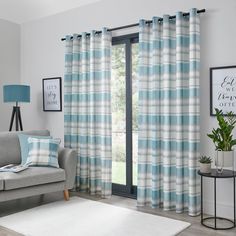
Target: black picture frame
{"x":223,"y":95}
{"x":55,"y":91}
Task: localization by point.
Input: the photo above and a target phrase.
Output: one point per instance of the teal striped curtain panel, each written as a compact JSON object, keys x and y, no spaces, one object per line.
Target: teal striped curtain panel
{"x":87,"y":109}
{"x":168,"y":144}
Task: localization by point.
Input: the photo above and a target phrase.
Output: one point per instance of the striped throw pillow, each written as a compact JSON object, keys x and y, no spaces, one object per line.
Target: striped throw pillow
{"x":43,"y":152}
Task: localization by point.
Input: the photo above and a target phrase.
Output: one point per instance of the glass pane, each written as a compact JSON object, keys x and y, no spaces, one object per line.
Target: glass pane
{"x":135,"y":109}
{"x":118,"y":115}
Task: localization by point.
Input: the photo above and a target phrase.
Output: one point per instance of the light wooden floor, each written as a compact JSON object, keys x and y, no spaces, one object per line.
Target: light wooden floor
{"x":196,"y":229}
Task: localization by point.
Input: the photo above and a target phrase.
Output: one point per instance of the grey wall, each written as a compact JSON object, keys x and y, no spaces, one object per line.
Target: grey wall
{"x":9,"y":65}
{"x":43,"y":56}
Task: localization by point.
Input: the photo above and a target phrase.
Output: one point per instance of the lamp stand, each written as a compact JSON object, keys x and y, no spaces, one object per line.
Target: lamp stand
{"x":16,"y":113}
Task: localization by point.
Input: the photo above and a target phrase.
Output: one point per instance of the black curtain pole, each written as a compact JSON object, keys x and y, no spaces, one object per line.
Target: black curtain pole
{"x":137,"y":24}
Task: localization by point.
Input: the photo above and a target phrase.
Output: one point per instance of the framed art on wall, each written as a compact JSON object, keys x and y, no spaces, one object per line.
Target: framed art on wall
{"x":52,"y":94}
{"x":223,"y":89}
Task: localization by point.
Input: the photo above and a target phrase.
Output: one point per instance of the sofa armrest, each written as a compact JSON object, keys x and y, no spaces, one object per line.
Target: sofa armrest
{"x":67,"y":159}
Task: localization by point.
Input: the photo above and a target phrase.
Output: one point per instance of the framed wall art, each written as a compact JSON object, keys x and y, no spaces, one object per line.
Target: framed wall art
{"x":52,"y":94}
{"x":223,"y":89}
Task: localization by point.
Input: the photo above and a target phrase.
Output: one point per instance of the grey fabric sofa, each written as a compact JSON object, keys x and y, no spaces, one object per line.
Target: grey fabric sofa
{"x":34,"y":180}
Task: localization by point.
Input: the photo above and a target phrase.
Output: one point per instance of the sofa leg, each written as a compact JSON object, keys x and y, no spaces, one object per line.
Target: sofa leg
{"x":66,"y":195}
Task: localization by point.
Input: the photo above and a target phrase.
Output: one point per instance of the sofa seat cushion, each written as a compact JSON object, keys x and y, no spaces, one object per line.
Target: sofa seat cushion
{"x":32,"y":176}
{"x":1,"y":183}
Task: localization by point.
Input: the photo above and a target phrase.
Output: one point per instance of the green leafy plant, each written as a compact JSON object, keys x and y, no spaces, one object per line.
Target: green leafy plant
{"x":222,"y":137}
{"x":205,"y":160}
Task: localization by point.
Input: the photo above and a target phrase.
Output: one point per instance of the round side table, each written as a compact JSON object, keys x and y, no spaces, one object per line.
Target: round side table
{"x":226,"y":174}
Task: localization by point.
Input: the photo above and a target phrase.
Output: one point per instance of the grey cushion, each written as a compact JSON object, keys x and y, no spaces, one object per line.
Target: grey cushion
{"x":10,"y":147}
{"x":32,"y":176}
{"x":1,"y":184}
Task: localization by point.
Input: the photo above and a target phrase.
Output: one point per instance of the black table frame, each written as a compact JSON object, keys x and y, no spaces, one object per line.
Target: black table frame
{"x":224,"y":175}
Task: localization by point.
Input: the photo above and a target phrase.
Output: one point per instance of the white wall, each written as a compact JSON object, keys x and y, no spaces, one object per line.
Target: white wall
{"x":43,"y":56}
{"x":9,"y":65}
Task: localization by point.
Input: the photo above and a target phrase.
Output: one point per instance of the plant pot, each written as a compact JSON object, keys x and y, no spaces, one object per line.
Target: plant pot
{"x":205,"y":168}
{"x":224,"y":159}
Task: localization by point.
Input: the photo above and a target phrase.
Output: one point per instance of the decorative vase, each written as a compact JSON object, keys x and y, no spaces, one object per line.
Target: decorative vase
{"x":224,"y":159}
{"x":205,"y":168}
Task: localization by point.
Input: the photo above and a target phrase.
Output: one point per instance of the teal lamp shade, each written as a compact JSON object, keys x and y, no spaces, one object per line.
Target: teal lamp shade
{"x":16,"y":93}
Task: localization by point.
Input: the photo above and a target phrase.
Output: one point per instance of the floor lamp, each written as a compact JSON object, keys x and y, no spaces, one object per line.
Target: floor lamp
{"x":16,"y":93}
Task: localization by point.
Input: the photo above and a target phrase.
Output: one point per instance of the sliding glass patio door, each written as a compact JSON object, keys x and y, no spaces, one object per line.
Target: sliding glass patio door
{"x":124,"y":115}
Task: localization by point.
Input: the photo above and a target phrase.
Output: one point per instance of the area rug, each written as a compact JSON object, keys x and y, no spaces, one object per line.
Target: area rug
{"x":82,"y":217}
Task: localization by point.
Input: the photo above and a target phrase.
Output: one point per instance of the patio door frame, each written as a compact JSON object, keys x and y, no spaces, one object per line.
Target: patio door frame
{"x":128,"y":190}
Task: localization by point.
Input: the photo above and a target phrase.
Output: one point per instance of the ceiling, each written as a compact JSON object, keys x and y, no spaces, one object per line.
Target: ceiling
{"x":20,"y":11}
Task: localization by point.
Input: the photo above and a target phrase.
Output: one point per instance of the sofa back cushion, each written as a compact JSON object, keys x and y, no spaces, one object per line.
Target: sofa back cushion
{"x":10,"y":152}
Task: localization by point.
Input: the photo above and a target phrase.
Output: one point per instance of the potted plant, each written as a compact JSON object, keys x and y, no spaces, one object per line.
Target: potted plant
{"x":223,"y":140}
{"x":205,"y":164}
